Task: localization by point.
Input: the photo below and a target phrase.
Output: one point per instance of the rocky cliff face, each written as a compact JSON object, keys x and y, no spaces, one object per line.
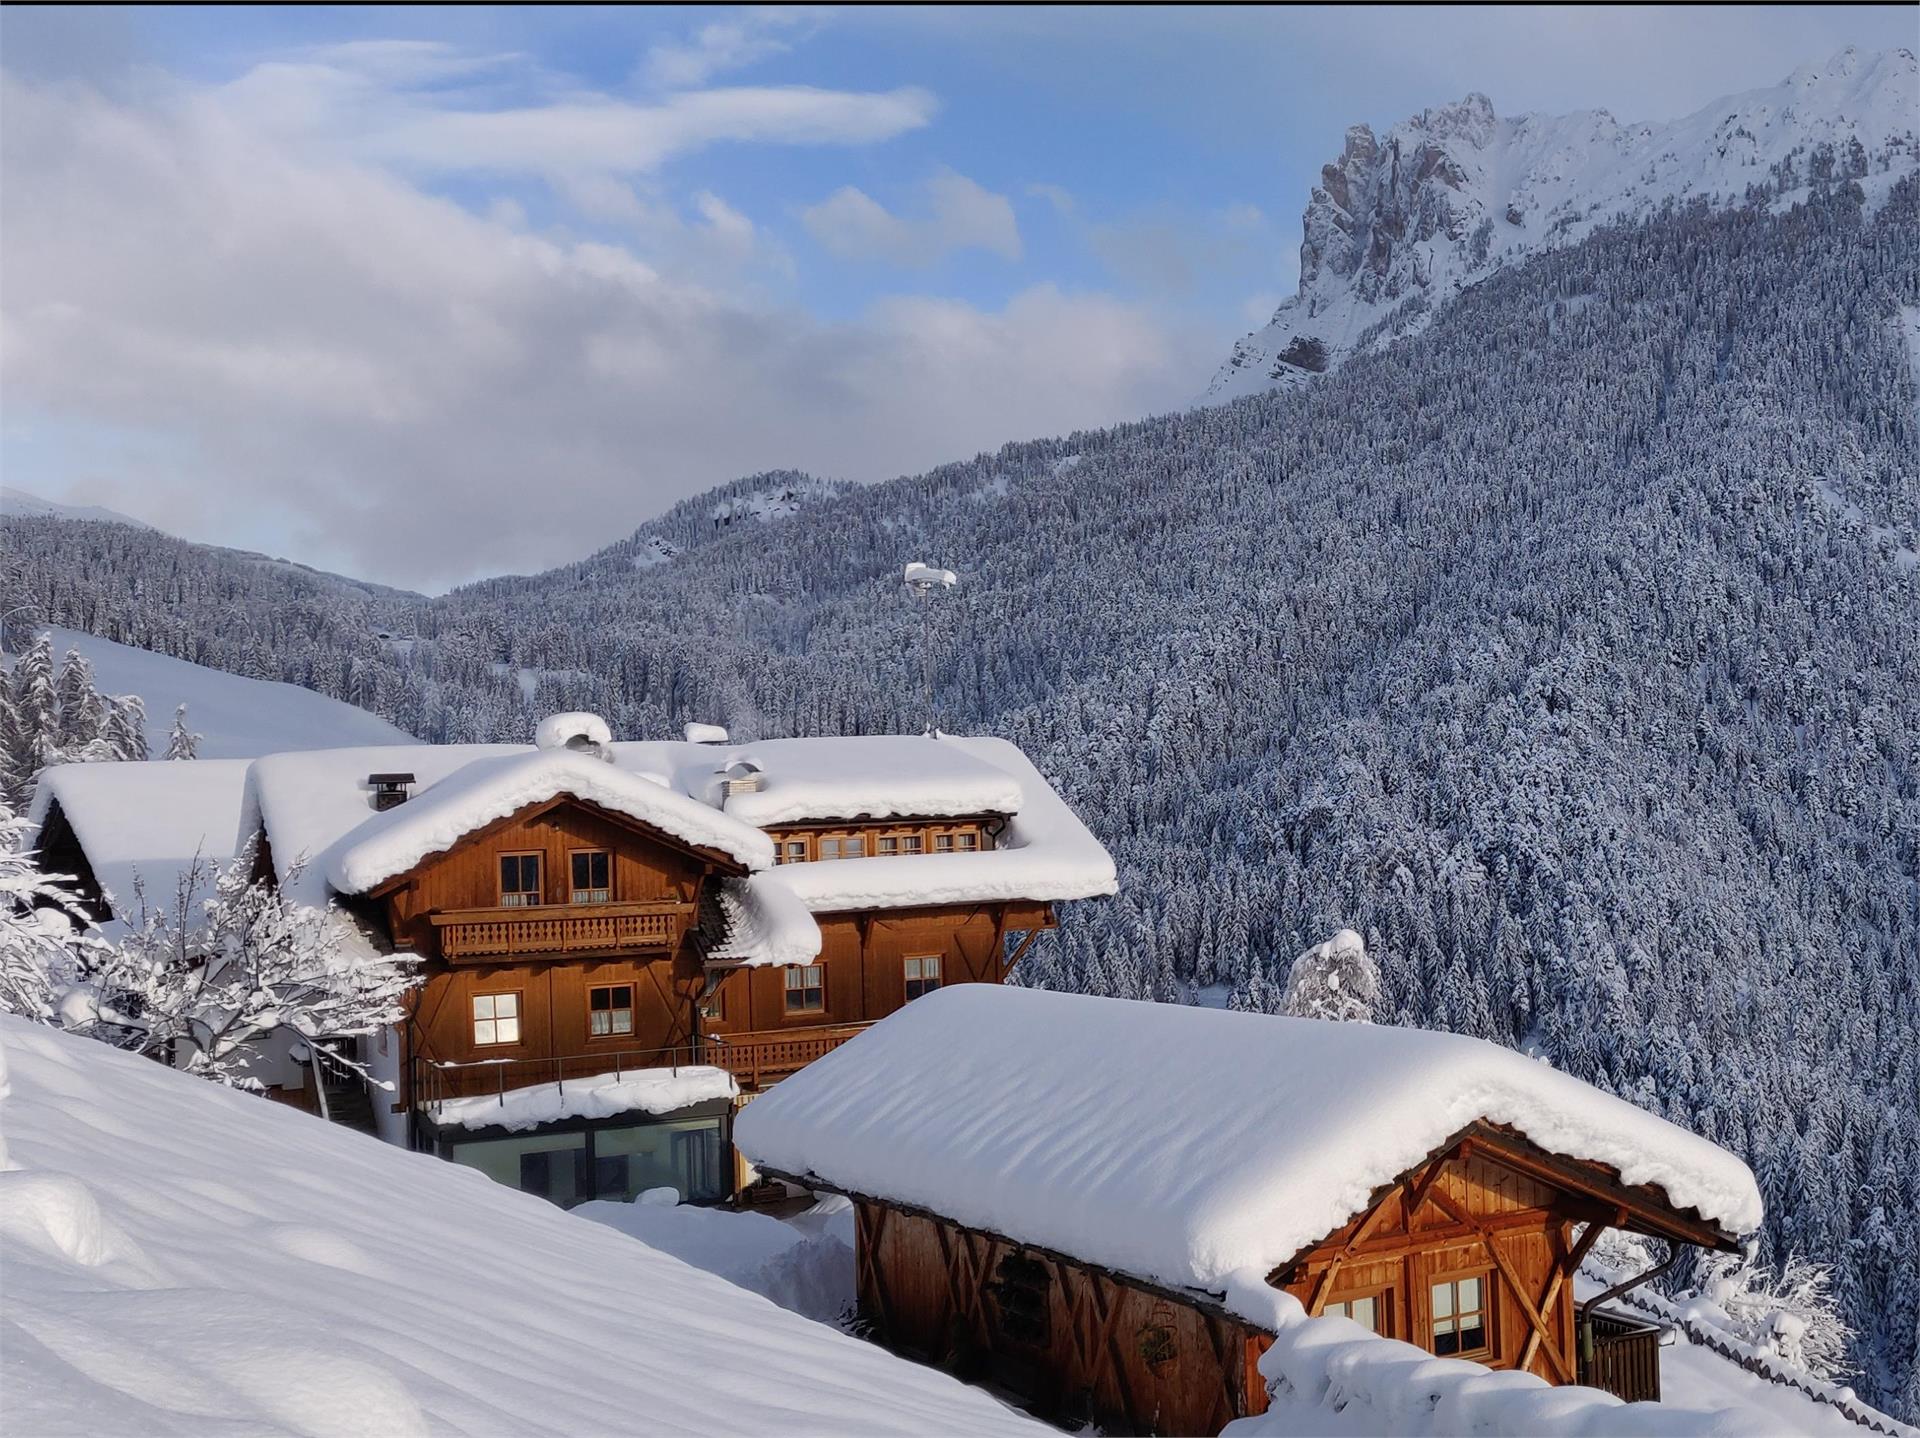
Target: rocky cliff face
{"x":1399,"y":224}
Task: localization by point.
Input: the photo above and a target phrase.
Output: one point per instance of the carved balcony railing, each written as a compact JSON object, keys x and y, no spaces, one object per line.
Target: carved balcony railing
{"x":480,"y":935}
{"x":759,"y":1058}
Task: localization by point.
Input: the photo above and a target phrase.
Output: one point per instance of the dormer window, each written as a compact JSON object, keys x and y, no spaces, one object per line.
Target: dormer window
{"x":519,"y":880}
{"x":592,"y":876}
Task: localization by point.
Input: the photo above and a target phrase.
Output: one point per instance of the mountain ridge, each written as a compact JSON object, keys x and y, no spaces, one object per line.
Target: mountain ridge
{"x":1400,"y":224}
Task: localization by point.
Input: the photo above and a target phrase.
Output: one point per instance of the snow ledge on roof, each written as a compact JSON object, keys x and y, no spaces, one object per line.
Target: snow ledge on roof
{"x":634,"y":1090}
{"x":767,"y":925}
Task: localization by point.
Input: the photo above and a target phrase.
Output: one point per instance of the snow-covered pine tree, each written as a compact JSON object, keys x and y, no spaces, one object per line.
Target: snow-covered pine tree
{"x":34,"y":717}
{"x":80,"y":711}
{"x":45,"y":942}
{"x":1333,"y":980}
{"x":124,"y":732}
{"x":182,"y":742}
{"x":254,"y":970}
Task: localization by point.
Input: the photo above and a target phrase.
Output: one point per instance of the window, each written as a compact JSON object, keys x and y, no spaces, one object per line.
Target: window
{"x":854,"y":848}
{"x":806,"y":988}
{"x":714,"y":1005}
{"x":943,"y":843}
{"x":923,"y":975}
{"x":969,"y":840}
{"x":610,"y":1010}
{"x":592,"y":876}
{"x":829,"y":848}
{"x":1369,"y":1310}
{"x":794,"y":851}
{"x":496,"y":1018}
{"x":886,"y":844}
{"x":911,"y":843}
{"x":1460,"y":1316}
{"x":519,"y":880}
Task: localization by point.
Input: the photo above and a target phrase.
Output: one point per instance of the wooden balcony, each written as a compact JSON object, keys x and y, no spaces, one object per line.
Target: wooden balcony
{"x":1621,"y":1356}
{"x":469,"y":936}
{"x":757,"y":1059}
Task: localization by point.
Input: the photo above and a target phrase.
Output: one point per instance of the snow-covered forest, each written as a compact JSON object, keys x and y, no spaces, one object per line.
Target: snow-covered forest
{"x":1568,"y":652}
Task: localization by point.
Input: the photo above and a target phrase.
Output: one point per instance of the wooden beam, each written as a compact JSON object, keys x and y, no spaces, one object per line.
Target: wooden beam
{"x":1360,"y":1232}
{"x":1561,"y":1273}
{"x":1512,"y":1276}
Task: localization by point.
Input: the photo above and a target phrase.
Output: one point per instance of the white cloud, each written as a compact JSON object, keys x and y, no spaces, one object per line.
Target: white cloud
{"x":1058,"y":196}
{"x":961,"y":215}
{"x":379,"y":379}
{"x":729,"y":44}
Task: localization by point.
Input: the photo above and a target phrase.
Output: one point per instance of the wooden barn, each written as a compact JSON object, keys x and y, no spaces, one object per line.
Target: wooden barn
{"x":1111,"y":1208}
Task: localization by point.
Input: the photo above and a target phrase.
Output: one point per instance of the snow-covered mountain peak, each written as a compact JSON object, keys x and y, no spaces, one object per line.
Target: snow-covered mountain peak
{"x":1399,"y":223}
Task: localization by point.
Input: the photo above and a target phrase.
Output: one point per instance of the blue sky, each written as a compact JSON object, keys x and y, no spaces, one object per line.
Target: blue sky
{"x":291,"y":277}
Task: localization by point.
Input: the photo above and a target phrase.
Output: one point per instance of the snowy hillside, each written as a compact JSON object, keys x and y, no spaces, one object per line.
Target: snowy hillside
{"x":18,"y":501}
{"x":239,"y":718}
{"x":184,"y":1259}
{"x":1400,"y":223}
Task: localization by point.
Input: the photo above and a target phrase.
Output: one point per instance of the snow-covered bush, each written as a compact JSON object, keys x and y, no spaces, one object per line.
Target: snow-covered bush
{"x":209,"y":991}
{"x":1792,"y":1314}
{"x":45,"y":939}
{"x":1333,"y":980}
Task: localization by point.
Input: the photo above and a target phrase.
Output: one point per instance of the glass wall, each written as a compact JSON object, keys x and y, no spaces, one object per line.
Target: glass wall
{"x":606,"y":1161}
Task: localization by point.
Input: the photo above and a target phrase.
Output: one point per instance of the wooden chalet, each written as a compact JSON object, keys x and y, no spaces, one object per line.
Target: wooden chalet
{"x":623,"y":942}
{"x":1107,"y":1223}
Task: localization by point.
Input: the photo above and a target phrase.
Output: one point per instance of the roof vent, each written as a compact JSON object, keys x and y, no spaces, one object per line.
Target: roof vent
{"x":706,"y":734}
{"x":389,"y":790}
{"x":582,"y":733}
{"x":740,"y":777}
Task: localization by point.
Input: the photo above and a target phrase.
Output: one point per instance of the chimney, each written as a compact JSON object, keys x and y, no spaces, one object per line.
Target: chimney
{"x":389,"y":790}
{"x":705,"y":734}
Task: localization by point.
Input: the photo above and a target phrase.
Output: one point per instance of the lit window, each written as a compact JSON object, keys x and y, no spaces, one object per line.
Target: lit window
{"x":519,"y":880}
{"x":806,"y":989}
{"x":496,"y":1018}
{"x":591,"y":881}
{"x":1368,"y":1310}
{"x":923,"y":976}
{"x":610,"y":1010}
{"x":1460,"y":1316}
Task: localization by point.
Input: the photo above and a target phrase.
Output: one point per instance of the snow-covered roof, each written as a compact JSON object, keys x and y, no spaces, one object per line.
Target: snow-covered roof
{"x":653,"y":1091}
{"x":766,"y":924}
{"x":150,"y":820}
{"x":182,"y":1258}
{"x":317,"y":806}
{"x":1045,"y":854}
{"x":873,"y":776}
{"x":495,"y":787}
{"x":1194,"y":1147}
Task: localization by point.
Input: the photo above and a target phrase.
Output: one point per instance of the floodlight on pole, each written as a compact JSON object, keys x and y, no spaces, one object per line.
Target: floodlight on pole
{"x":922,"y":580}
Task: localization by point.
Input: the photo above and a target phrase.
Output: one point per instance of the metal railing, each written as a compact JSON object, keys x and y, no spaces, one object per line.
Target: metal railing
{"x":438,"y":1080}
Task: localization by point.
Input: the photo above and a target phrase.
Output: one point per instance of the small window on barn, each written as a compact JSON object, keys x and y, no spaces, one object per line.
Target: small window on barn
{"x":592,"y":877}
{"x":806,"y":989}
{"x":1021,"y":1294}
{"x":923,"y":975}
{"x":496,"y":1019}
{"x":1370,"y":1310}
{"x":714,"y":1005}
{"x":1461,"y":1312}
{"x":610,"y":1010}
{"x":519,"y":880}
